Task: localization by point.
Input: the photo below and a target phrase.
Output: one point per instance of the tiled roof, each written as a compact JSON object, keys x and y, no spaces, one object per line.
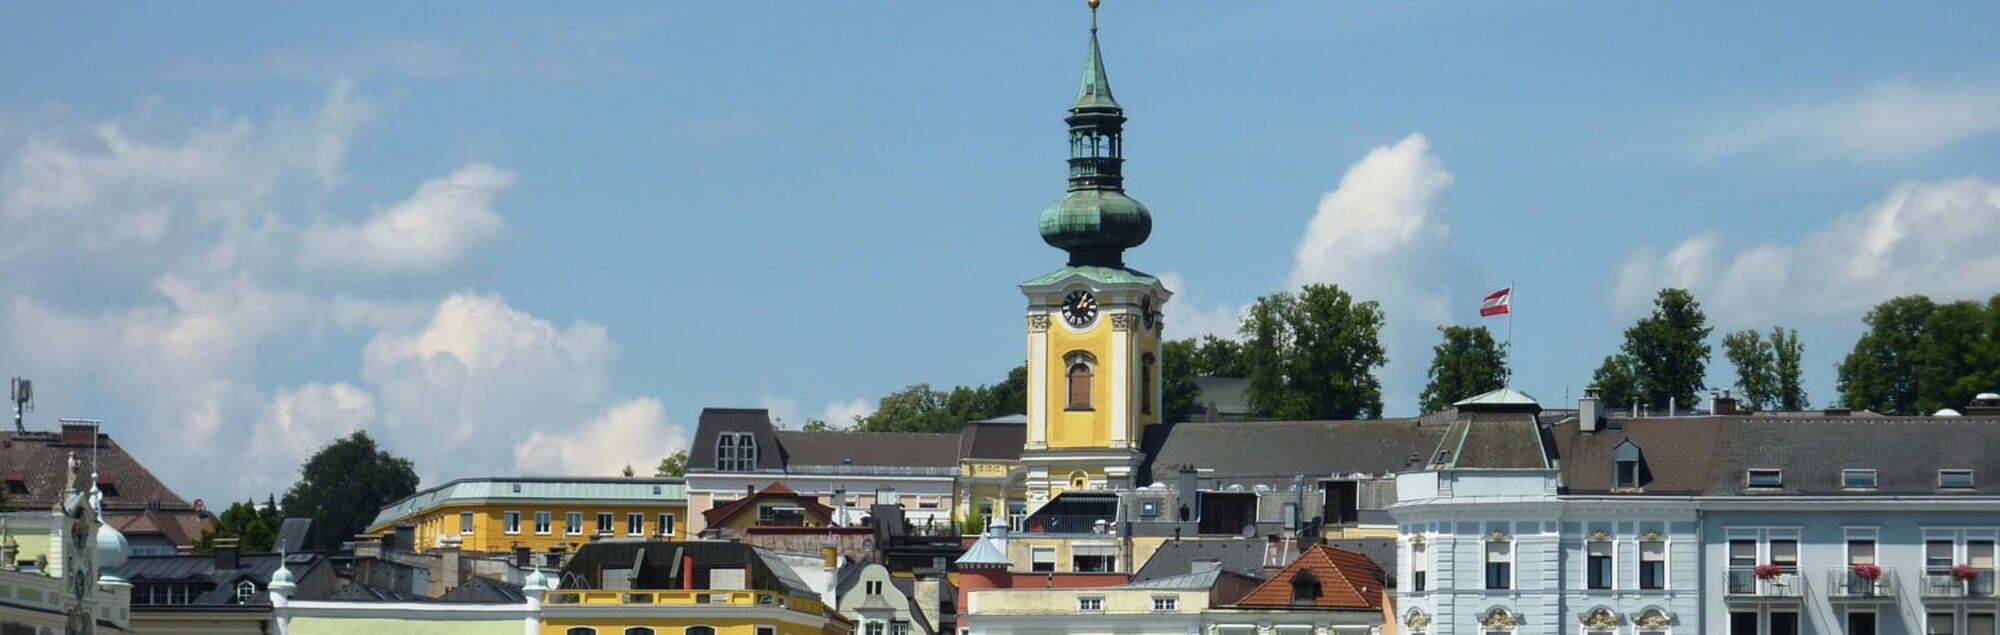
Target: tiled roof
{"x":999,"y":439}
{"x":1491,"y":440}
{"x":718,"y":515}
{"x":1177,"y":557}
{"x":1347,"y":580}
{"x":874,"y":449}
{"x":1251,"y":449}
{"x":624,"y":490}
{"x":39,"y":461}
{"x":177,"y":527}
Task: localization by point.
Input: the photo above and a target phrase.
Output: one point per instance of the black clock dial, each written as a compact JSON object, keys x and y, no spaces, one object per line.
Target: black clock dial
{"x":1146,"y":310}
{"x":1079,"y":308}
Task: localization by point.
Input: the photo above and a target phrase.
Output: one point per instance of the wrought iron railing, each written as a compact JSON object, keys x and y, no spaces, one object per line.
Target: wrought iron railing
{"x":1939,"y":583}
{"x":1844,"y":582}
{"x":1743,"y":581}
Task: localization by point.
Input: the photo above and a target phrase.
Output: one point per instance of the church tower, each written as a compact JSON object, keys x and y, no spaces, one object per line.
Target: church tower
{"x":1093,"y":325}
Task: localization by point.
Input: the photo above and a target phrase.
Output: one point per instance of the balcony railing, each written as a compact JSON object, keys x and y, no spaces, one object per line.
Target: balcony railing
{"x":1842,"y":582}
{"x":1938,"y":583}
{"x":684,"y":598}
{"x":1743,"y":582}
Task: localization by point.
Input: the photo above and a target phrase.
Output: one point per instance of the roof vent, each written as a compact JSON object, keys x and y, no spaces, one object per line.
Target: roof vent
{"x":1945,"y":412}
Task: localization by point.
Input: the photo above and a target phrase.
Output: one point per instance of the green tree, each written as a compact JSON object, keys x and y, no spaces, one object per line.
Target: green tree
{"x":675,"y":464}
{"x":1788,"y":355}
{"x":1950,"y":348}
{"x":1467,"y":363}
{"x":342,"y":486}
{"x":1178,"y":392}
{"x":816,"y":424}
{"x":1882,"y":372}
{"x":1669,"y":350}
{"x":254,"y":528}
{"x":921,"y":408}
{"x":1217,"y":357}
{"x":1756,"y":367}
{"x":1615,"y":382}
{"x":1313,"y":355}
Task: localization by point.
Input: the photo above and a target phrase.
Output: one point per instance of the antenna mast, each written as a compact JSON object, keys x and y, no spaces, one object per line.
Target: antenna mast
{"x":23,"y":396}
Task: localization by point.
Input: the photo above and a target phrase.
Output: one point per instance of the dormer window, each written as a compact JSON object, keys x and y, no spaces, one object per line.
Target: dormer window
{"x":1857,"y":479}
{"x":1625,"y":470}
{"x":1305,"y":588}
{"x":736,"y":452}
{"x":1955,"y":479}
{"x":245,"y":592}
{"x":1764,"y":479}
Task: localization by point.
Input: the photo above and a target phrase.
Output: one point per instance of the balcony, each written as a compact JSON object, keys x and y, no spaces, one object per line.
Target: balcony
{"x":1938,"y":584}
{"x":1843,"y":584}
{"x":684,"y":598}
{"x":1742,"y":582}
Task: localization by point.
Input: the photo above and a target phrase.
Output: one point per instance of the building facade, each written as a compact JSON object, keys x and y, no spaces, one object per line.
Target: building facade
{"x":540,"y":514}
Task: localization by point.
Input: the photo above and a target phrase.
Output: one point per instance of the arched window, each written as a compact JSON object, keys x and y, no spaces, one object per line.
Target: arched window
{"x":699,"y":630}
{"x":736,"y":452}
{"x":1080,"y":376}
{"x":245,"y":592}
{"x":638,"y":630}
{"x":1305,"y":588}
{"x":580,"y":630}
{"x":1146,"y":384}
{"x":1079,"y":480}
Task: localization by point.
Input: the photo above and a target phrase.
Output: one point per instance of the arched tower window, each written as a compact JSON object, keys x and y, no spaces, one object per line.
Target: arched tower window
{"x":1146,"y":384}
{"x":1081,"y":375}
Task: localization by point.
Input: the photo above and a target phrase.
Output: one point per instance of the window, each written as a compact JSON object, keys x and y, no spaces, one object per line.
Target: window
{"x":767,"y":630}
{"x":573,"y":523}
{"x":1419,"y":566}
{"x":1090,"y":603}
{"x":874,"y":628}
{"x":246,"y":591}
{"x":1146,"y":384}
{"x":1042,"y":559}
{"x":1860,"y":552}
{"x":1785,"y":554}
{"x":1499,"y":565}
{"x":1784,"y":623}
{"x":1979,"y":623}
{"x":1743,"y":623}
{"x":1860,"y":623}
{"x":1093,"y":563}
{"x":1857,"y":479}
{"x":699,"y":630}
{"x":929,"y":502}
{"x":603,"y":522}
{"x":1768,"y":479}
{"x":635,"y":524}
{"x":899,"y":627}
{"x":581,"y":630}
{"x":1305,"y":588}
{"x":1149,"y":509}
{"x":1079,"y":386}
{"x":1653,"y":564}
{"x":512,"y":524}
{"x":465,"y":523}
{"x":736,"y":452}
{"x":1625,"y":465}
{"x":1960,"y":479}
{"x":543,"y":523}
{"x":1937,"y":557}
{"x":1939,"y":624}
{"x":666,"y":526}
{"x":1599,"y":564}
{"x":1166,"y":603}
{"x":872,"y":587}
{"x":638,"y":630}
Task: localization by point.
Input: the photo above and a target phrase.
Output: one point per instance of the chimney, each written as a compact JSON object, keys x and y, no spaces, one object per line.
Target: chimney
{"x":930,"y":593}
{"x":369,"y":546}
{"x":446,"y":577}
{"x":78,"y":433}
{"x":1589,"y":410}
{"x":1190,"y":487}
{"x":1724,"y":404}
{"x":406,"y":539}
{"x":225,"y":553}
{"x":749,"y":491}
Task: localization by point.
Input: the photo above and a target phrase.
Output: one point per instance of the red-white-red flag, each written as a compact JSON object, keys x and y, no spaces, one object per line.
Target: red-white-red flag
{"x":1497,"y":302}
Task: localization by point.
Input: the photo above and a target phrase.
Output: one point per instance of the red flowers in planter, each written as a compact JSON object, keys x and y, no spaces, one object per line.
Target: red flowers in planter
{"x":1768,"y":571}
{"x":1964,"y":573}
{"x":1867,"y":572}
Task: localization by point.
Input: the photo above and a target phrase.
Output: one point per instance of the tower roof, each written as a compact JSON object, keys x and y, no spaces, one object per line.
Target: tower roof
{"x":1095,"y":94}
{"x":1096,"y":222}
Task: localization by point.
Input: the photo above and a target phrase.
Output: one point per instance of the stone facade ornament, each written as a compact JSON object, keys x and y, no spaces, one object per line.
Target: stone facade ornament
{"x":1499,"y":618}
{"x":1651,"y":535}
{"x":1416,"y":620}
{"x":1654,"y":619}
{"x":1599,"y":536}
{"x":1124,"y":322}
{"x":1497,"y":536}
{"x":1038,"y":323}
{"x":1601,"y":619}
{"x":1417,"y":540}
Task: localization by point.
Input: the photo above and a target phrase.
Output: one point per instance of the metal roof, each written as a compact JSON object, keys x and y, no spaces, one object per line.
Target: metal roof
{"x":1101,"y":275}
{"x":577,"y":489}
{"x":1501,"y":397}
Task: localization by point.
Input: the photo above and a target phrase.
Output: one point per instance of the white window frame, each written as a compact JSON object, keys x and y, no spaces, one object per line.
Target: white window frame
{"x":1166,"y":603}
{"x":635,"y":523}
{"x":1847,"y":623}
{"x":1420,"y":565}
{"x":510,"y":523}
{"x":666,"y":527}
{"x":1034,"y":558}
{"x":607,"y":523}
{"x":1608,"y":540}
{"x":246,"y":591}
{"x":736,"y":452}
{"x":465,"y":523}
{"x":572,"y":523}
{"x":1090,"y":604}
{"x":1513,"y":563}
{"x":1873,"y":479}
{"x":767,"y":629}
{"x":1749,"y":476}
{"x":1666,"y":565}
{"x":1970,"y":478}
{"x":544,"y":523}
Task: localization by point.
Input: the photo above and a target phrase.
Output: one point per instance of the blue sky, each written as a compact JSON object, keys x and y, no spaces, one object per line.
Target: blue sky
{"x":530,"y":238}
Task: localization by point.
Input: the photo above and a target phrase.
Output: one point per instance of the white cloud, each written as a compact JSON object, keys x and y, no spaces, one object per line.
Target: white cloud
{"x":436,"y":227}
{"x":1381,"y":235}
{"x":784,"y":411}
{"x":1186,"y":317}
{"x":298,"y":421}
{"x":1933,"y":238}
{"x":841,"y":414}
{"x":634,"y":433}
{"x":1882,"y":120}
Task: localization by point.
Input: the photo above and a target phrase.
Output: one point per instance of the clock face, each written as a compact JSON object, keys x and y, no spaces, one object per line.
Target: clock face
{"x":1079,"y":308}
{"x":1146,"y":310}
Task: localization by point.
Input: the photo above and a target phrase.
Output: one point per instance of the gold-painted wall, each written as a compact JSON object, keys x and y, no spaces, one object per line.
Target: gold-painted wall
{"x":1092,"y":428}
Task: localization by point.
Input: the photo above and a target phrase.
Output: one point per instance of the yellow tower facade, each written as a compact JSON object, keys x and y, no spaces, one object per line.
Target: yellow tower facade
{"x":1093,"y":376}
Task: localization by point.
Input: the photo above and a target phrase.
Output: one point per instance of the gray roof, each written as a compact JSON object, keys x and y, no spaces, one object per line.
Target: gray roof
{"x":1254,"y":449}
{"x":715,"y":421}
{"x":525,"y":489}
{"x":1491,"y":440}
{"x":292,"y":534}
{"x":485,"y":591}
{"x":1201,"y":580}
{"x":1176,"y":558}
{"x":871,"y":449}
{"x":256,"y":568}
{"x":999,"y":439}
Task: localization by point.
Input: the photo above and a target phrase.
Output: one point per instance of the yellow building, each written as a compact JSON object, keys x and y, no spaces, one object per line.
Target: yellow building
{"x":498,"y":515}
{"x":684,"y":588}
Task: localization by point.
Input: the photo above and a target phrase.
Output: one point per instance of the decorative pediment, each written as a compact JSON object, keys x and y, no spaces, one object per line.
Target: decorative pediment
{"x":1499,"y":618}
{"x":1416,"y":619}
{"x":1651,"y":535}
{"x":1602,"y":618}
{"x":1417,"y":540}
{"x":1497,"y":536}
{"x":1600,"y":536}
{"x":1654,"y":618}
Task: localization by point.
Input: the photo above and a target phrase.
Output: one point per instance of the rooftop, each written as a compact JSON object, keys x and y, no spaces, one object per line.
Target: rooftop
{"x":468,"y":491}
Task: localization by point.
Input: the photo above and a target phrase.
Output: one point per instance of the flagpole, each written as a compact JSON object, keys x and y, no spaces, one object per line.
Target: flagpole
{"x":1510,"y":332}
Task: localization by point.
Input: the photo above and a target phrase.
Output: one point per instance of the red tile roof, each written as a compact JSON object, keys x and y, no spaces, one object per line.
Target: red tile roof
{"x":722,"y":514}
{"x":1347,"y":580}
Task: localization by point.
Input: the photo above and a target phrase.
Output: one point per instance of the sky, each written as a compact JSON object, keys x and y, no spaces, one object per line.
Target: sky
{"x":533,"y":238}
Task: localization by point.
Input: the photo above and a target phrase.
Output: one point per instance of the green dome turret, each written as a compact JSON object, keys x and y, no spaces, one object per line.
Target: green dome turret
{"x":1096,"y":222}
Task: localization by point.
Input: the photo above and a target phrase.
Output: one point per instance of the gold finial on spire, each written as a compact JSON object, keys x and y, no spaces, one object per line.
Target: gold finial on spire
{"x":1093,"y":14}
